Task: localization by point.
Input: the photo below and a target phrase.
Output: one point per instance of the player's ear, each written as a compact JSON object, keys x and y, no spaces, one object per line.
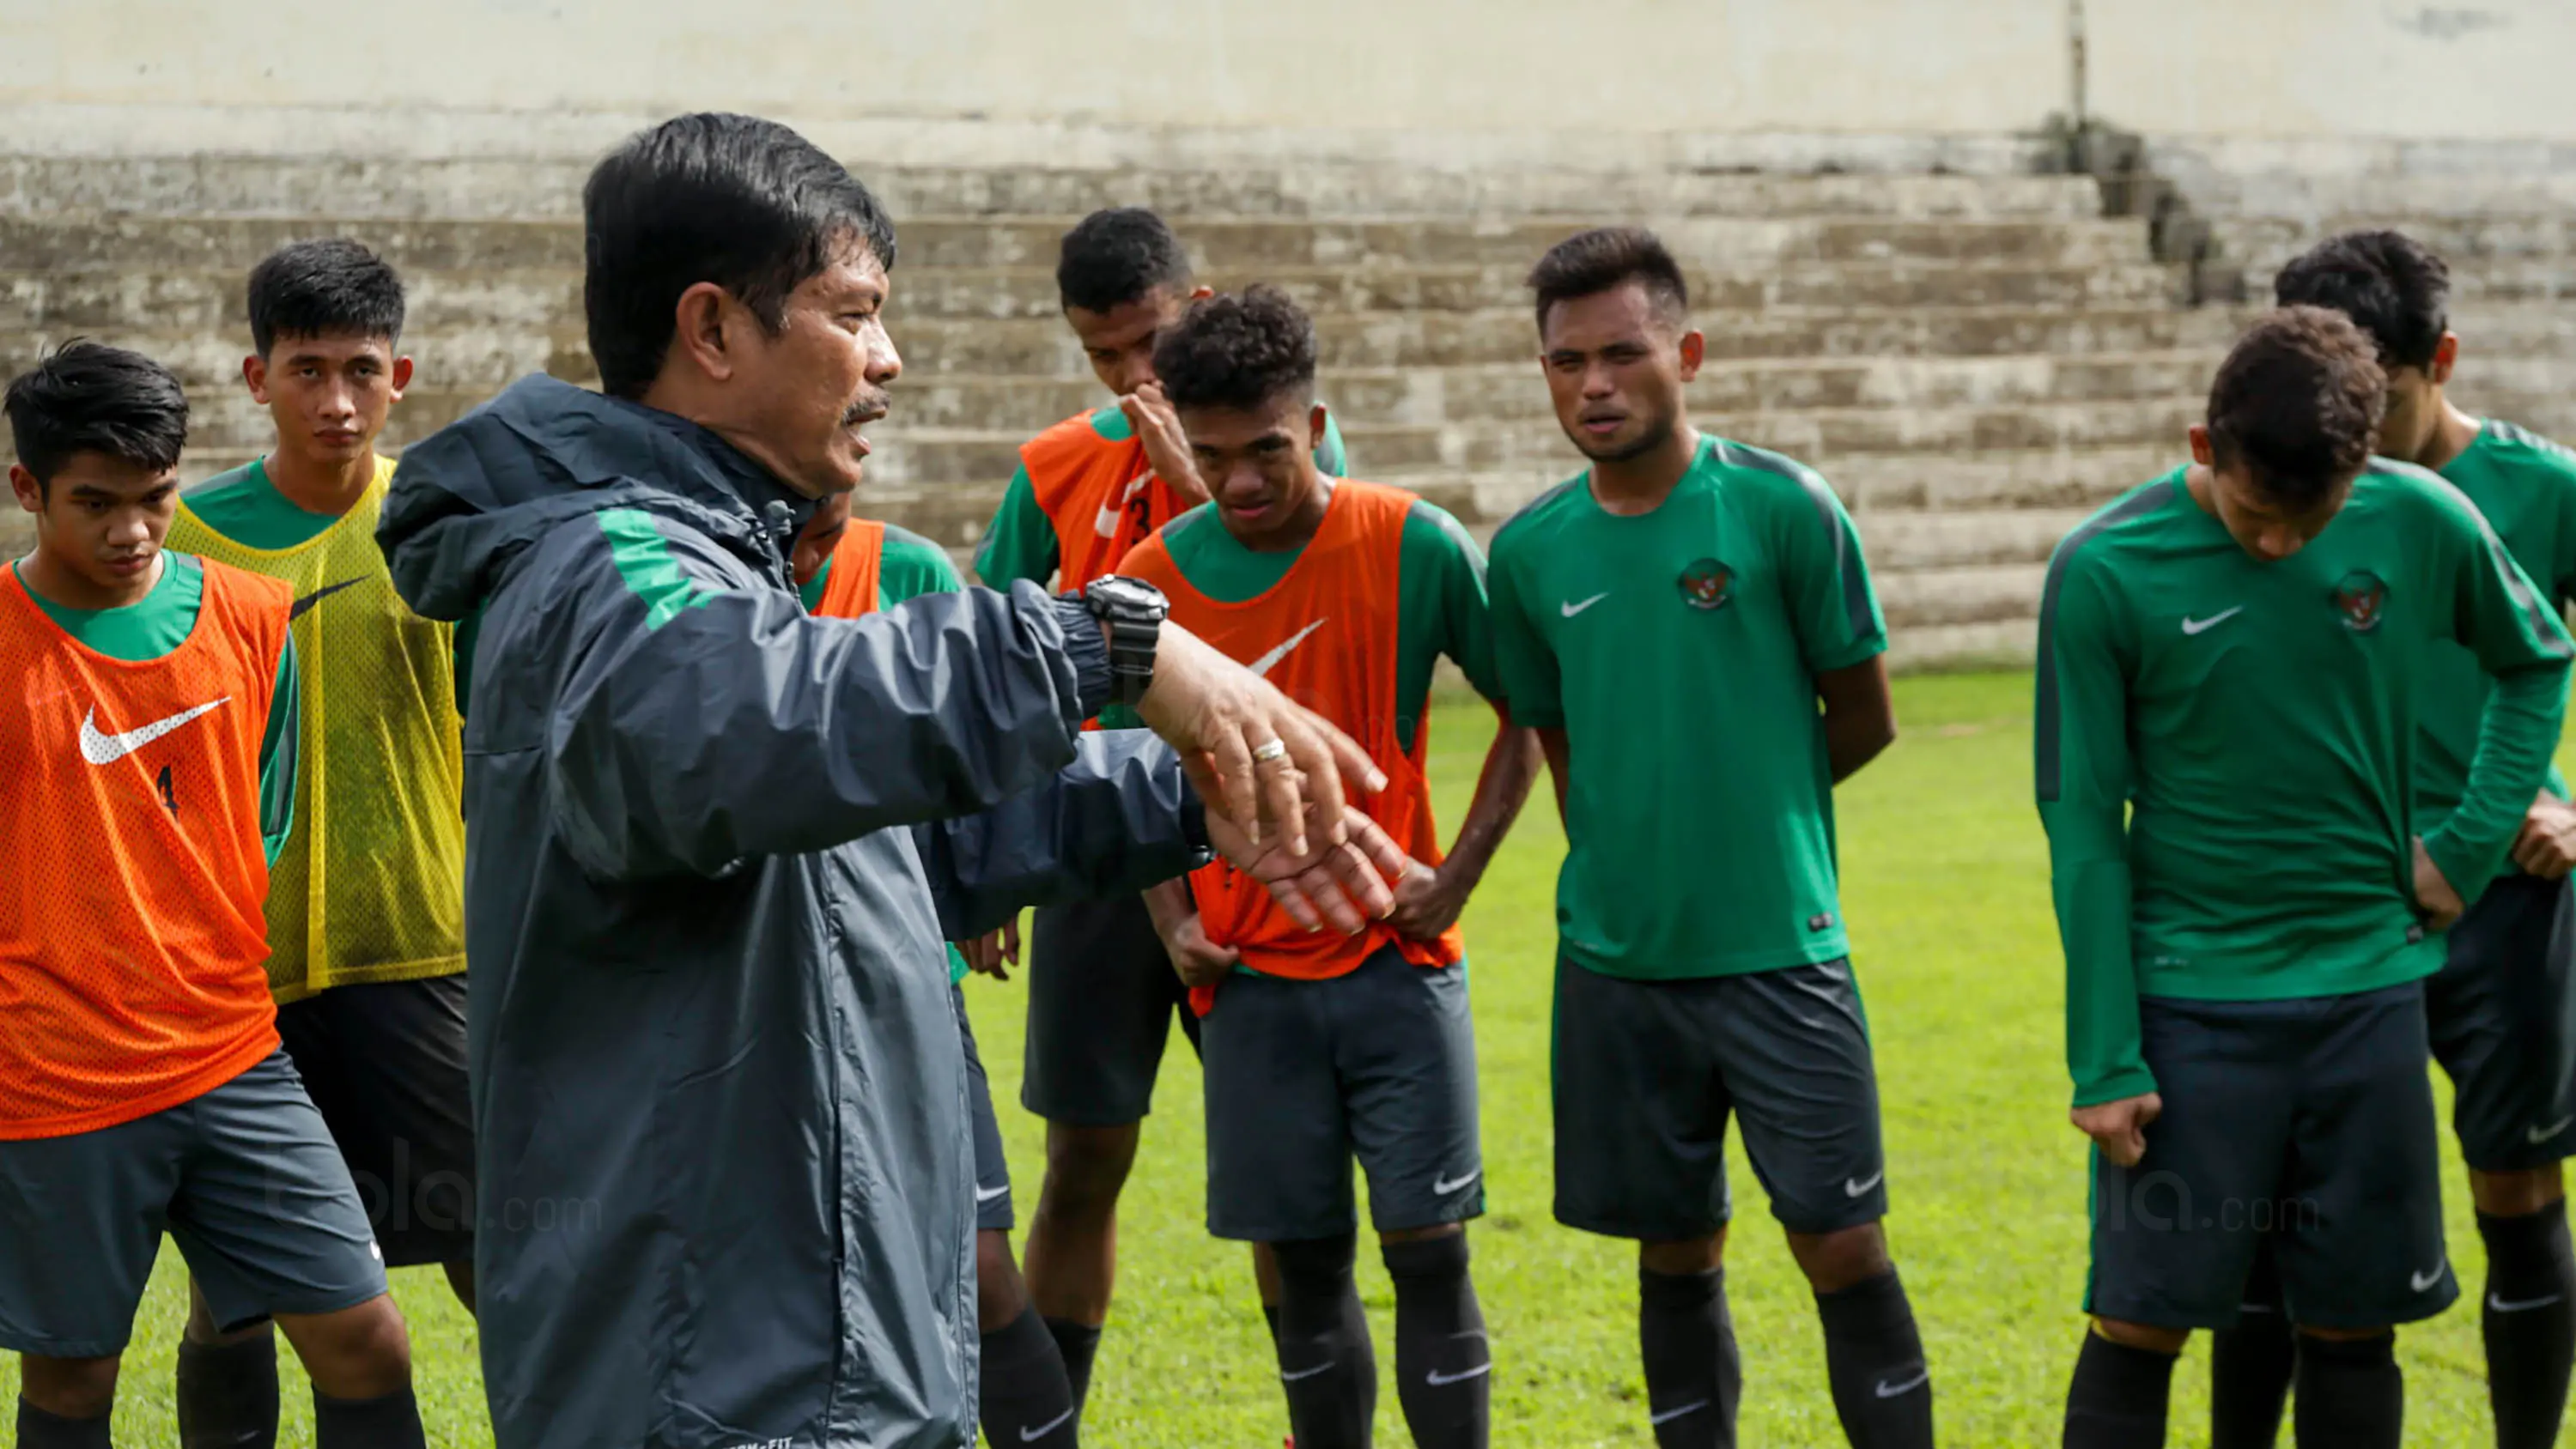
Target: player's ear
{"x":2201,"y":451}
{"x":2446,"y":353}
{"x":31,"y":494}
{"x":698,"y":330}
{"x":1317,"y":420}
{"x":255,"y":377}
{"x":402,"y":376}
{"x":1694,"y":352}
{"x":1202,"y":292}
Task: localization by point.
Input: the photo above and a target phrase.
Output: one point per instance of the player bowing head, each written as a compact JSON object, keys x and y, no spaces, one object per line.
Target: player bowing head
{"x":2278,"y":474}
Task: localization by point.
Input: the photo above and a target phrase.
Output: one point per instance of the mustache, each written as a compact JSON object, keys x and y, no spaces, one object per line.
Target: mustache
{"x":869,"y":407}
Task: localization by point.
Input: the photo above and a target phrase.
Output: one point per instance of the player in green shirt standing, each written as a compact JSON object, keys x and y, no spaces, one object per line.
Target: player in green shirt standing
{"x":2502,"y":1008}
{"x":1670,"y":622}
{"x":2230,"y":661}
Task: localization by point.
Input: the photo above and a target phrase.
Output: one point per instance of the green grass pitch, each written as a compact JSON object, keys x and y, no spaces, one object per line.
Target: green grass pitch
{"x":1946,"y":887}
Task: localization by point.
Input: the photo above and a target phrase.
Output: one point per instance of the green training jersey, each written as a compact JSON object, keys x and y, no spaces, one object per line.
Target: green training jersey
{"x":1022,"y":542}
{"x":2526,"y":487}
{"x":161,"y":621}
{"x":2225,"y":749}
{"x":1679,"y":650}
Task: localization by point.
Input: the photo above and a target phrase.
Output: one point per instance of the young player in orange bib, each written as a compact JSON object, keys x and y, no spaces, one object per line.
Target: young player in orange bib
{"x":151,"y":735}
{"x":1342,"y":593}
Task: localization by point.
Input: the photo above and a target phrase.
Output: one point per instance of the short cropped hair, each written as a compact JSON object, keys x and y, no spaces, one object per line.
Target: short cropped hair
{"x":735,"y":200}
{"x":1114,"y":257}
{"x":87,"y":397}
{"x":1237,"y":351}
{"x":2298,"y":402}
{"x":328,"y":288}
{"x":1589,"y":263}
{"x":2391,"y":285}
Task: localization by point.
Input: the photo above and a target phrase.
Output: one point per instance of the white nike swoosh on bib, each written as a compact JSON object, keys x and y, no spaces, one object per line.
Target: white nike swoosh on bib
{"x":101,"y":749}
{"x":1569,"y":610}
{"x":2195,"y":626}
{"x":1261,"y":666}
{"x":987,"y":1194}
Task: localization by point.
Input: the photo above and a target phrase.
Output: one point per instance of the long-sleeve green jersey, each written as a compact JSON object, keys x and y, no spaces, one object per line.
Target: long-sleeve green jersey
{"x":2526,"y":487}
{"x":2226,"y":749}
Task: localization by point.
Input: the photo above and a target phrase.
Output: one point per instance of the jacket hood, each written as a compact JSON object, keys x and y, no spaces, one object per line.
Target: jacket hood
{"x":470,"y":498}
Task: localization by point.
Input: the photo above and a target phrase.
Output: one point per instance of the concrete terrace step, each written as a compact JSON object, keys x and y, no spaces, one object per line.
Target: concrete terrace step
{"x":550,"y":187}
{"x":236,"y":243}
{"x":134,"y":298}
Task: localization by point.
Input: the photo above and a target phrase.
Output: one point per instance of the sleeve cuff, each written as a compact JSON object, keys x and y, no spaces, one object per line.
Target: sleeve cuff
{"x":2128,"y":1082}
{"x":1088,"y":648}
{"x":2465,"y":874}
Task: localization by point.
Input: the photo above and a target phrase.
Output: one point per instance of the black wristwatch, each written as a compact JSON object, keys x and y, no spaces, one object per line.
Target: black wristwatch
{"x":1132,"y":612}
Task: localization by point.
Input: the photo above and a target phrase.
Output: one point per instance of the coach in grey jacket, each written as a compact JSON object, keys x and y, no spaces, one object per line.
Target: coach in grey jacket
{"x":714,"y":843}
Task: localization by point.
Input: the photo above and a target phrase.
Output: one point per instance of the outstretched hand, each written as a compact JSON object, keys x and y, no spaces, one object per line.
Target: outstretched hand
{"x":1344,"y":884}
{"x":1258,"y":760}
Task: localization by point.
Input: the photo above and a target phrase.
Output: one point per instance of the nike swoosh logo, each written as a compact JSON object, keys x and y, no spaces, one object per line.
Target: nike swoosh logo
{"x":101,"y":749}
{"x":1855,"y":1189}
{"x":2197,"y":626}
{"x":1261,"y":666}
{"x":1887,"y":1390}
{"x":987,"y":1194}
{"x":2500,"y":1306}
{"x":1031,"y":1436}
{"x":1668,"y":1415}
{"x":1570,"y":610}
{"x":318,"y":595}
{"x":2422,"y":1282}
{"x":2538,"y":1135}
{"x":1286,"y":1377}
{"x":1442,"y":1186}
{"x":1439,"y":1380}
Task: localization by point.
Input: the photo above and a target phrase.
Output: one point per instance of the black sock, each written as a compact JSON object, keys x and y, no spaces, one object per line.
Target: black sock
{"x":1874,"y":1359}
{"x":1270,"y":1315}
{"x":1026,"y":1398}
{"x":2251,"y":1365}
{"x":1077,"y":1344}
{"x":40,"y":1430}
{"x":2119,"y":1395}
{"x":2351,"y":1395}
{"x":1694,"y":1377}
{"x":1327,"y":1366}
{"x":227,"y":1394}
{"x":389,"y":1421}
{"x":1443,"y":1365}
{"x":2530,"y":1324}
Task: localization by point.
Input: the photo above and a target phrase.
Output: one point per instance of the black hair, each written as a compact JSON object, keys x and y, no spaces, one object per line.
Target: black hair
{"x":2391,"y":285}
{"x":2298,"y":401}
{"x":329,"y":288}
{"x":1114,"y":257}
{"x":87,"y":397}
{"x":1589,"y":263}
{"x":1237,"y":351}
{"x":735,"y":200}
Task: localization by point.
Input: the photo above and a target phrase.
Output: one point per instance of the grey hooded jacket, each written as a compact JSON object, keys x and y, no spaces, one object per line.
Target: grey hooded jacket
{"x":713,"y":847}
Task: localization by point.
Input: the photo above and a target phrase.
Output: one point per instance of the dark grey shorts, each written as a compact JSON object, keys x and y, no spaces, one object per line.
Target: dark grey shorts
{"x":992,"y":1169}
{"x":2308,"y":1123}
{"x":1648,"y":1072}
{"x":245,"y":1178}
{"x":1102,"y":995}
{"x":385,"y":1064}
{"x":2503,"y":1014}
{"x":1303,"y":1076}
